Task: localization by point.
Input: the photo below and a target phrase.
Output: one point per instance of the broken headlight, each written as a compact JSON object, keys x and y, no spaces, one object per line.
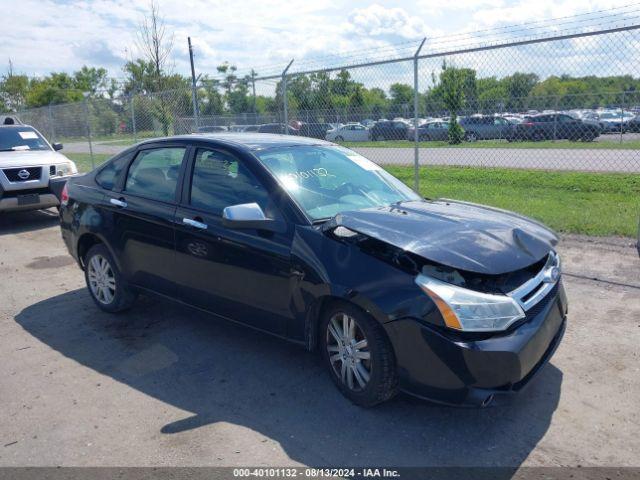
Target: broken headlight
{"x":470,"y":311}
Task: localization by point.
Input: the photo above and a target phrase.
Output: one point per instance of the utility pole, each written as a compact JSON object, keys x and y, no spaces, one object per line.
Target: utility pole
{"x":253,"y":86}
{"x":194,"y":94}
{"x":416,"y":137}
{"x":284,"y":98}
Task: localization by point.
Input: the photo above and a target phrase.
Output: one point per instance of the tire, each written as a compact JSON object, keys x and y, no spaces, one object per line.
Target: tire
{"x":374,"y":358}
{"x":339,"y":139}
{"x":471,"y":137}
{"x":106,"y":286}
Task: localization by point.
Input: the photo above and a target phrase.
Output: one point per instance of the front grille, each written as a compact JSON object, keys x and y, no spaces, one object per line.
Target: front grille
{"x":542,"y":304}
{"x":17,"y":174}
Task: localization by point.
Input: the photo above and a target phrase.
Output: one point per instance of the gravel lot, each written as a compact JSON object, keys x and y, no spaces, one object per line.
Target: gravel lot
{"x":163,"y":385}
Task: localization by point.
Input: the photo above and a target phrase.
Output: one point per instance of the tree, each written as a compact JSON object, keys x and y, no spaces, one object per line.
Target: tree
{"x":13,"y":90}
{"x":156,"y":47}
{"x":452,"y":81}
{"x":518,"y":87}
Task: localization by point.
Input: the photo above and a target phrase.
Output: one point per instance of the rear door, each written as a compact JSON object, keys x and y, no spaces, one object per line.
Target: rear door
{"x":245,"y":274}
{"x":142,"y":210}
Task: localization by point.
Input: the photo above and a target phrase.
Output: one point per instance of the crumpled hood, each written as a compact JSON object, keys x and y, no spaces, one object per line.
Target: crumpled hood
{"x":457,"y":234}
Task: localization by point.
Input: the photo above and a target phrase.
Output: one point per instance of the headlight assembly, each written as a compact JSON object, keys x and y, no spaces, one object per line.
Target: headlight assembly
{"x":67,"y":168}
{"x":470,"y":311}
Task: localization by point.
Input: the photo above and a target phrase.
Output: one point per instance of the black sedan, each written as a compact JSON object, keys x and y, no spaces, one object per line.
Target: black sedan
{"x":390,"y":130}
{"x":311,"y":242}
{"x":556,"y":126}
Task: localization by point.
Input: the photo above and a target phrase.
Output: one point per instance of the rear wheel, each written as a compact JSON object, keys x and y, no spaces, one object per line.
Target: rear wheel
{"x":339,"y":139}
{"x":358,"y":355}
{"x":108,"y":289}
{"x":471,"y":137}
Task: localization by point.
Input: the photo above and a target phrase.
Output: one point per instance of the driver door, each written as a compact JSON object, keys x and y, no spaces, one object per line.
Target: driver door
{"x":241,"y":274}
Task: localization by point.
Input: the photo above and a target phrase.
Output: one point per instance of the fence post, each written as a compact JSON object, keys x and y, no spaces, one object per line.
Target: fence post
{"x":88,"y":126}
{"x":194,"y":93}
{"x":253,"y":88}
{"x":284,"y":98}
{"x":52,"y":127}
{"x":133,"y":117}
{"x":416,"y":136}
{"x":555,"y":119}
{"x":622,"y":116}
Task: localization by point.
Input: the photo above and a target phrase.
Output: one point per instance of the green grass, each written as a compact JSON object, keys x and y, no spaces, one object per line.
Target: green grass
{"x":83,"y":160}
{"x":609,"y":144}
{"x":569,"y":202}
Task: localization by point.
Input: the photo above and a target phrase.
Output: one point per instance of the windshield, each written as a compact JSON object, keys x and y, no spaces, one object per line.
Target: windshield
{"x":328,"y":180}
{"x":21,"y":138}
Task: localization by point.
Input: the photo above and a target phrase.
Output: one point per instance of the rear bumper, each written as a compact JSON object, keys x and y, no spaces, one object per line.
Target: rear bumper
{"x":436,"y":366}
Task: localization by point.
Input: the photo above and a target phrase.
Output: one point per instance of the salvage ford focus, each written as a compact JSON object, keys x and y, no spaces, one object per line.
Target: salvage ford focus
{"x":312,"y":242}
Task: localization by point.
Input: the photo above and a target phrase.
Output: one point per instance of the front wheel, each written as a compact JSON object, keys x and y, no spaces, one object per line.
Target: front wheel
{"x":471,"y":137}
{"x":358,"y":355}
{"x":104,"y":281}
{"x":339,"y":139}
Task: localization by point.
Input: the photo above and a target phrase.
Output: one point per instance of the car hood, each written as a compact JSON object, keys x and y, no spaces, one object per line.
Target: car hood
{"x":460,"y":235}
{"x":30,"y":158}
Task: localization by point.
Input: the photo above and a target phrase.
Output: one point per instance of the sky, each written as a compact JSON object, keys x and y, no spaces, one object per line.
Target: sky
{"x":40,"y":36}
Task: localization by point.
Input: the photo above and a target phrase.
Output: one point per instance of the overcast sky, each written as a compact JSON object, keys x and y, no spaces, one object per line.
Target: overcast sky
{"x":62,"y":35}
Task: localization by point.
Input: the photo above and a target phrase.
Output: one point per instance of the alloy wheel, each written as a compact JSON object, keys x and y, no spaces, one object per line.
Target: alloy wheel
{"x":349,"y":352}
{"x":102,"y":280}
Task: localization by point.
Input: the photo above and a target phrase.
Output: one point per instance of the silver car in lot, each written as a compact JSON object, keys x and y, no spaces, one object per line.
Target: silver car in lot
{"x":31,"y":169}
{"x":351,"y":132}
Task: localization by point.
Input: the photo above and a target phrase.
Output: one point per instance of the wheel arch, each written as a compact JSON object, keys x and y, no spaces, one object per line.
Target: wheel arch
{"x":88,"y":240}
{"x":321,"y":304}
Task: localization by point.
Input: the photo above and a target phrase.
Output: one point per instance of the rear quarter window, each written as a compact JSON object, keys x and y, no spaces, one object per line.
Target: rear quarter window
{"x":108,"y":176}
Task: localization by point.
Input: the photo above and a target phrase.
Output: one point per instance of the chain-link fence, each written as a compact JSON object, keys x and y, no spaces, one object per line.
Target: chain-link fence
{"x":564,"y":103}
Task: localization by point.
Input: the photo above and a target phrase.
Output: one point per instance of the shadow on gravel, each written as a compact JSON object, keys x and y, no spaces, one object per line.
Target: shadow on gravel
{"x":225,"y":373}
{"x":19,"y":222}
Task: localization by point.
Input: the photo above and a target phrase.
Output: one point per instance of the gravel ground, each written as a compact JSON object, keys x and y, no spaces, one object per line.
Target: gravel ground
{"x":164,"y":385}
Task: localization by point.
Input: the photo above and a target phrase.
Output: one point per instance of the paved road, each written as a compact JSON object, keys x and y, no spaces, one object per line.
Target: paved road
{"x":593,"y":160}
{"x":165,"y":385}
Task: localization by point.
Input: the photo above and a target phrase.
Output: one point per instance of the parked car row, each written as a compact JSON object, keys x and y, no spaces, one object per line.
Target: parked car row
{"x":575,"y":125}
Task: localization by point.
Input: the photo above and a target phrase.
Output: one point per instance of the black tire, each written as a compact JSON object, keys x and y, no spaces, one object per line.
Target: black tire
{"x":471,"y":137}
{"x":123,"y":297}
{"x":382,"y":383}
{"x":339,"y":139}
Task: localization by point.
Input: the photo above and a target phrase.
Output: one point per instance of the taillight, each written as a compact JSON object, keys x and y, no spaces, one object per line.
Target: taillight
{"x":527,"y":124}
{"x":64,"y":196}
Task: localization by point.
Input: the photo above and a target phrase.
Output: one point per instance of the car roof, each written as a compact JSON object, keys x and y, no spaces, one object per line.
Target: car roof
{"x":248,"y":141}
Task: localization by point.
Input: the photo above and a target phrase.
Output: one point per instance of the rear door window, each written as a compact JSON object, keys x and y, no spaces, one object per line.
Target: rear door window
{"x":154,"y":173}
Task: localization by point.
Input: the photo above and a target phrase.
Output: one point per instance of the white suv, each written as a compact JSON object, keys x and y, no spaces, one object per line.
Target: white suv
{"x":29,"y":168}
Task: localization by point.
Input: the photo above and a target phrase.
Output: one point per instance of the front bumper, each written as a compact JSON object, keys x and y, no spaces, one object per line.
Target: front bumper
{"x":11,"y":203}
{"x":48,"y":191}
{"x":442,"y":367}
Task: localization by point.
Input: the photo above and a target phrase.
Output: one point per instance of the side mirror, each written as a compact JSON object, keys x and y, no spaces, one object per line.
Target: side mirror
{"x":251,"y":216}
{"x":57,"y":146}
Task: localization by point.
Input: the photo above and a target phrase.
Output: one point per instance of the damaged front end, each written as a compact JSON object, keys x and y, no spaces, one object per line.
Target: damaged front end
{"x":471,"y":304}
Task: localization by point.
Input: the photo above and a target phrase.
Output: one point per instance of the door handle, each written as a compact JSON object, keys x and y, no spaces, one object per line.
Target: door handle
{"x":118,"y":202}
{"x":194,"y":223}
